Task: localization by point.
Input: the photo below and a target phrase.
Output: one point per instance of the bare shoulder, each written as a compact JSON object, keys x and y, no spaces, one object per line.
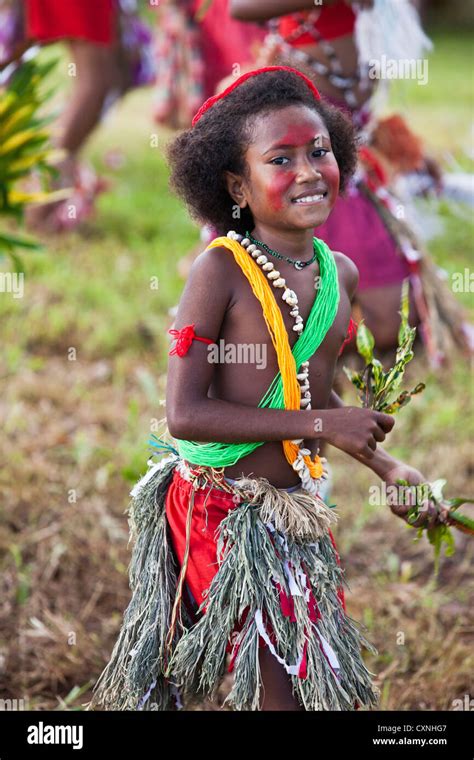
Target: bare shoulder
{"x":208,"y":292}
{"x":348,"y":272}
{"x":216,"y":259}
{"x":213,"y":270}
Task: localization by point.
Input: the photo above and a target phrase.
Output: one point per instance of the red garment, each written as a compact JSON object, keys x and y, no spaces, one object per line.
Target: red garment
{"x":211,"y":506}
{"x":333,"y":21}
{"x":225,"y":43}
{"x":92,"y":20}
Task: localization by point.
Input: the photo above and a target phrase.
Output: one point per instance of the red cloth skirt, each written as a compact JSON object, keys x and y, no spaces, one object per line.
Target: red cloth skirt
{"x":92,"y":20}
{"x":211,"y":506}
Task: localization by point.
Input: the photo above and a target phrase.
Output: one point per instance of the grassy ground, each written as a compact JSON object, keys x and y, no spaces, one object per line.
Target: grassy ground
{"x":82,"y":380}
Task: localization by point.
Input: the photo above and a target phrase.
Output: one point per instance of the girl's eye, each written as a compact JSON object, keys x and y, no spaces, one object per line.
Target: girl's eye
{"x":321,"y":152}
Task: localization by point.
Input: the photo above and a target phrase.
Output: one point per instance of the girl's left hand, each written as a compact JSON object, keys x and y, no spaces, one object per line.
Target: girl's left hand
{"x":429,"y":516}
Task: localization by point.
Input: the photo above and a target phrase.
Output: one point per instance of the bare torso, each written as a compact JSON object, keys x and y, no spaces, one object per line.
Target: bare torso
{"x":246,"y":383}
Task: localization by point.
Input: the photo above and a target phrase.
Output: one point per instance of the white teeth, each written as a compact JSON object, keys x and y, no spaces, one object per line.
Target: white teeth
{"x":309,"y":199}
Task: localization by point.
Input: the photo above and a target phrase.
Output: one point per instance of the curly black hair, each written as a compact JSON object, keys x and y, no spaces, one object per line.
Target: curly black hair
{"x":199,"y":156}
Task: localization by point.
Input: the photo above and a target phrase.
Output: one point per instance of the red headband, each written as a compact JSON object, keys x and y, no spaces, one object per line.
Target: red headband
{"x":210,"y":101}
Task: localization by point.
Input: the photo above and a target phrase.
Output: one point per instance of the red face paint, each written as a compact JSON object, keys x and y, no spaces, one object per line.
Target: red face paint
{"x":277,"y":189}
{"x":332,"y":178}
{"x":298,"y":135}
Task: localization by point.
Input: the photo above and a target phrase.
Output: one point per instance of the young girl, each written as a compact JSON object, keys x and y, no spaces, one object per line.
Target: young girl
{"x":234,"y":553}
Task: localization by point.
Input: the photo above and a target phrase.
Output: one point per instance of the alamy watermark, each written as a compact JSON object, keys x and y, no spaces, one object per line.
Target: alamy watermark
{"x":399,"y":68}
{"x":43,"y":733}
{"x":463,"y":282}
{"x":467,"y":703}
{"x":7,"y":705}
{"x":12,"y":282}
{"x":238,"y":353}
{"x":391,"y":495}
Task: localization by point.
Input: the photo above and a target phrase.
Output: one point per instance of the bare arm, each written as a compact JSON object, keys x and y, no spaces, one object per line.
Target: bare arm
{"x":262,"y":10}
{"x":391,"y":470}
{"x":381,"y":462}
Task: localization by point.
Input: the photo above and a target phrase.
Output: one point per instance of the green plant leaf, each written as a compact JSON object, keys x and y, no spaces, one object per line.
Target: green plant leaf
{"x":355,"y":378}
{"x":365,"y":342}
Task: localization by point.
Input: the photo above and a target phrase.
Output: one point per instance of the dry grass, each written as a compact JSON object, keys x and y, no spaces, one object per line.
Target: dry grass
{"x":64,"y":581}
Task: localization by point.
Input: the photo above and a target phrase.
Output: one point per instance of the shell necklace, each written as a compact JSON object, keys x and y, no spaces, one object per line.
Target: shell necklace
{"x":297,"y":263}
{"x":309,"y":483}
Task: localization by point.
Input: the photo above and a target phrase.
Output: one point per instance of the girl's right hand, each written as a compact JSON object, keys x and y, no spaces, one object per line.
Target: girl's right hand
{"x":353,"y":430}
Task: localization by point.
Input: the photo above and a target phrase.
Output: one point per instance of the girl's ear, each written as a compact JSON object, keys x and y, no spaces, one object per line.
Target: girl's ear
{"x":234,"y":188}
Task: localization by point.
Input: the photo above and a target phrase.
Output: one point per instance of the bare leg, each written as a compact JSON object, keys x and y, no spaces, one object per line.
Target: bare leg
{"x":97,"y":72}
{"x":276,"y":685}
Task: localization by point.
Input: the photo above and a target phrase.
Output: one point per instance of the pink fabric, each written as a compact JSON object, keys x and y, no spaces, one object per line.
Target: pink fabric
{"x":355,"y":228}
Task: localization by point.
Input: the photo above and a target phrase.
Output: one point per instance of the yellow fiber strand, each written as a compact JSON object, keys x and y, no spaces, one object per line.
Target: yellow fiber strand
{"x":278,"y":333}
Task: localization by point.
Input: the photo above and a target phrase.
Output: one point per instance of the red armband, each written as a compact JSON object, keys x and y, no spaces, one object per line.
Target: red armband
{"x":351,"y":331}
{"x":184,"y":338}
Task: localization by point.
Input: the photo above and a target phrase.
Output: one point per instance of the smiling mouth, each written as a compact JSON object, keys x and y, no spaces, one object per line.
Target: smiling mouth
{"x":310,"y":200}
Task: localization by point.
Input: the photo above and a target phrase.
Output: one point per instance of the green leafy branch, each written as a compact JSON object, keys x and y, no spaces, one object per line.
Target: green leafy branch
{"x":447,"y":513}
{"x":376,"y":389}
{"x":375,"y":386}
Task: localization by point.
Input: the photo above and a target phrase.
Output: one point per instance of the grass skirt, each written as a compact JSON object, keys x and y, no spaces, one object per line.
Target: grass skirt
{"x":273,"y":586}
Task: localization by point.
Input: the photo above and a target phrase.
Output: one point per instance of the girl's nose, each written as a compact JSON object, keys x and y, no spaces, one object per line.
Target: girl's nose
{"x":307,"y":170}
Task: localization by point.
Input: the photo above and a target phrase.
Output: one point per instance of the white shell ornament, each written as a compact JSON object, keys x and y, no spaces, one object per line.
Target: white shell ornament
{"x":309,"y":483}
